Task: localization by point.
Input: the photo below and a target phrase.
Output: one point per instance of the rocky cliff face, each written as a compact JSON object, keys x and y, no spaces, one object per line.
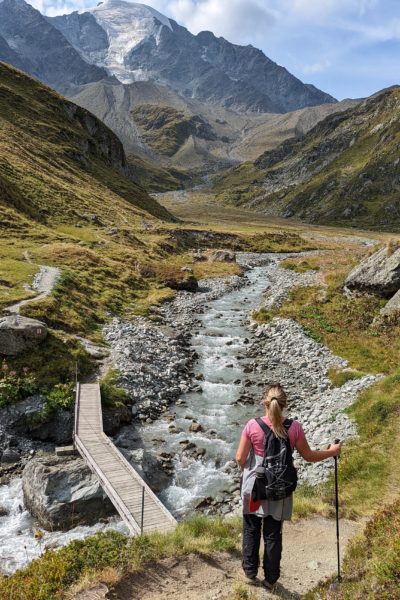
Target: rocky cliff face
{"x":345,"y":170}
{"x":64,"y":143}
{"x":136,"y":43}
{"x":32,"y":44}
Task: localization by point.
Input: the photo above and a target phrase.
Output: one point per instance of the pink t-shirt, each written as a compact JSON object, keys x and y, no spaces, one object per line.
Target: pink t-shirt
{"x":255,"y":434}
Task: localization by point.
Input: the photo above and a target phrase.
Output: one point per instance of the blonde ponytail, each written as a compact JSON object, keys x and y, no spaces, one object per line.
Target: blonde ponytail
{"x":275,"y":401}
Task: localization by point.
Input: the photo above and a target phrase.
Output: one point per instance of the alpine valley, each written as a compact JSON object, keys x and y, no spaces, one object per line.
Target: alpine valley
{"x":183,"y":105}
{"x":182,"y":222}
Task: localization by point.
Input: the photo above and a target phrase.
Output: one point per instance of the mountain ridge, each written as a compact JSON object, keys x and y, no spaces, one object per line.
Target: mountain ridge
{"x":344,"y":171}
{"x":59,"y":161}
{"x":42,"y":51}
{"x":199,"y":66}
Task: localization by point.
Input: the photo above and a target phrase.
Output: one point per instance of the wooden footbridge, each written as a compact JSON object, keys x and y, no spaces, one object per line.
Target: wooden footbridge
{"x":137,"y":505}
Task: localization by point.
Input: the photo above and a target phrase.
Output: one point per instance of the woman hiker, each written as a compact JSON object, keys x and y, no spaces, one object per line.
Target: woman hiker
{"x":275,"y":434}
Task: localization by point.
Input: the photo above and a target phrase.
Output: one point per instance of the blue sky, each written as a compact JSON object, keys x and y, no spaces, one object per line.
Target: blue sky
{"x":349,"y":48}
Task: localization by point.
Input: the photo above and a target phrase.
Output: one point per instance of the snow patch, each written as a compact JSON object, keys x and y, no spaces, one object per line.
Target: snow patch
{"x":126,"y":24}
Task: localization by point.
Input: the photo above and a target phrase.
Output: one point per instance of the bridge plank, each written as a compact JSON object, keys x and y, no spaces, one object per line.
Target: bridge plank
{"x":121,"y":482}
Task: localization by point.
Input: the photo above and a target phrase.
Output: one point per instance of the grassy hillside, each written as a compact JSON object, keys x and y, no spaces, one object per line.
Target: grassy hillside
{"x":345,"y":171}
{"x":67,"y":200}
{"x":166,"y":129}
{"x":57,"y":161}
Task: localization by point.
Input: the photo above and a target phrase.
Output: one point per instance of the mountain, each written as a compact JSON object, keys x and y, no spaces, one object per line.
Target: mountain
{"x":205,"y":137}
{"x":59,"y":163}
{"x":346,"y":170}
{"x":136,"y":43}
{"x":31,"y":43}
{"x":183,"y":105}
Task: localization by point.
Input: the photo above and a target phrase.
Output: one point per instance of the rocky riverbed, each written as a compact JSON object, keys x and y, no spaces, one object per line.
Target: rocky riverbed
{"x":194,"y":378}
{"x":197,"y":378}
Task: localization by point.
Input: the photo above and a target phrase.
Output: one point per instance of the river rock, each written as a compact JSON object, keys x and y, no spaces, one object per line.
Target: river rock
{"x":19,"y":334}
{"x":10,"y":457}
{"x":149,"y":467}
{"x":24,"y":419}
{"x":223,"y":256}
{"x":392,"y":308}
{"x":378,"y":274}
{"x":115,"y":418}
{"x":195,"y":427}
{"x":187,"y":283}
{"x":62,"y":493}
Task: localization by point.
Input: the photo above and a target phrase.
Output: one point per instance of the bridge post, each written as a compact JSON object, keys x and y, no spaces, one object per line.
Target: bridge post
{"x":142,"y":517}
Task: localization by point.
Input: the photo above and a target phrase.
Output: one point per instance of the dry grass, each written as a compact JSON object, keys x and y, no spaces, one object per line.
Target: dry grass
{"x":367,"y":469}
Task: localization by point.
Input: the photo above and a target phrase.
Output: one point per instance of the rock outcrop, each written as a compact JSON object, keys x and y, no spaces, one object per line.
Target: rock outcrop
{"x":185,"y":283}
{"x":62,"y":493}
{"x":392,"y":308}
{"x":19,"y":334}
{"x":378,"y":274}
{"x":223,"y":256}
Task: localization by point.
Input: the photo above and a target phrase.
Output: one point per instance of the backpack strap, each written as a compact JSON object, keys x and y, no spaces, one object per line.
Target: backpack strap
{"x":287,"y":423}
{"x":267,"y":430}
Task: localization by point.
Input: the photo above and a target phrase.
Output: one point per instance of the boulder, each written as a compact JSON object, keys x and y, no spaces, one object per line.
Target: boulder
{"x":187,"y":283}
{"x":378,"y":274}
{"x":223,"y":256}
{"x":62,"y":493}
{"x":10,"y":457}
{"x":149,"y":467}
{"x":19,"y":334}
{"x":392,"y":308}
{"x":24,"y":419}
{"x":57,"y":429}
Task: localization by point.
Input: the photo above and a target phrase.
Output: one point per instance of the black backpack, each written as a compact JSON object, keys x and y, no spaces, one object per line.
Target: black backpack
{"x":276,"y":478}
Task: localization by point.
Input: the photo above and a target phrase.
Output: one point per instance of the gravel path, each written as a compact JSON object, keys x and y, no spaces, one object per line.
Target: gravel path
{"x":309,"y":555}
{"x":43,"y":284}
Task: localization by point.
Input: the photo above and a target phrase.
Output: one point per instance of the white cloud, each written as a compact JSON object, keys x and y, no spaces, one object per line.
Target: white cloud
{"x":237,"y":20}
{"x":375,"y":33}
{"x":327,"y":8}
{"x":316,"y":67}
{"x":59,"y":7}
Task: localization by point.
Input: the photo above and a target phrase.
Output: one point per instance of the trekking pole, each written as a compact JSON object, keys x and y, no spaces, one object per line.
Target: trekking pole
{"x":335,"y":458}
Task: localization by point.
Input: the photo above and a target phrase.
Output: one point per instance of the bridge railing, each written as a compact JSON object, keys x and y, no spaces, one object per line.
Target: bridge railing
{"x":134,"y":522}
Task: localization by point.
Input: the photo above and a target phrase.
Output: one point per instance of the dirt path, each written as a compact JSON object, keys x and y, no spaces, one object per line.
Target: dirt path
{"x":309,"y":555}
{"x":43,"y":283}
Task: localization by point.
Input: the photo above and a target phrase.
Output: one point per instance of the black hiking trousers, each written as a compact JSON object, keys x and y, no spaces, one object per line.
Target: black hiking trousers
{"x":272,"y":534}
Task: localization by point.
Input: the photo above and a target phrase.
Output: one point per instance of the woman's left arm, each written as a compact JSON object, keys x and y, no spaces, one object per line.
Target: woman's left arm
{"x":243,"y":451}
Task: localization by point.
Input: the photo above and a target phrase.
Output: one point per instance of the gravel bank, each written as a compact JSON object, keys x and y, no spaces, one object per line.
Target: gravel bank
{"x":157,"y":364}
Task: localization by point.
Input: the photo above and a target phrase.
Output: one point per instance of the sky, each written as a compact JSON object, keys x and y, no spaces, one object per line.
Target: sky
{"x":348,"y":48}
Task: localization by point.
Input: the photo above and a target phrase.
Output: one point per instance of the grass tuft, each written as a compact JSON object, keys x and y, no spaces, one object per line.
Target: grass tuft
{"x":48,"y":577}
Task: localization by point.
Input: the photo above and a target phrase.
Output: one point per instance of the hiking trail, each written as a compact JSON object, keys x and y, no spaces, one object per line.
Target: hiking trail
{"x":43,"y":283}
{"x":309,"y":555}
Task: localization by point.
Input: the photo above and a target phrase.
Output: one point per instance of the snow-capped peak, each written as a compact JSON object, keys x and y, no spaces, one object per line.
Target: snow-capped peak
{"x":126,"y":24}
{"x":110,"y":8}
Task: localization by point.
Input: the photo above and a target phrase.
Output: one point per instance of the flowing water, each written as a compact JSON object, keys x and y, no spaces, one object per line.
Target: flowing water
{"x":220,"y":341}
{"x":18,"y":545}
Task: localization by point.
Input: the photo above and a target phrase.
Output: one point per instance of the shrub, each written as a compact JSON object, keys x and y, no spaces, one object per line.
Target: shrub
{"x":111,"y":395}
{"x":15,"y":386}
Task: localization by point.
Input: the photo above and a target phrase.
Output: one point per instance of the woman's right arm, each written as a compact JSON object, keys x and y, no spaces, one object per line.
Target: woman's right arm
{"x":315,"y":455}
